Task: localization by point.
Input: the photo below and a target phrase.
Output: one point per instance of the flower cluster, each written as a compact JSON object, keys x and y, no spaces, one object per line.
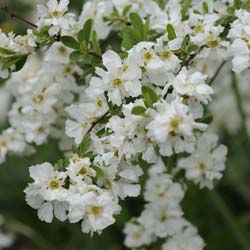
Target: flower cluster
{"x":125,"y":89}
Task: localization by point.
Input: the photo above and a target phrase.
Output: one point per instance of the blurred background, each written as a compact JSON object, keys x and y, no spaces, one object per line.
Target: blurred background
{"x":222,"y":216}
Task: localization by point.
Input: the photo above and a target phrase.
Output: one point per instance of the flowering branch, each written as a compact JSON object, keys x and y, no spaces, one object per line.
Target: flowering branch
{"x":14,"y":15}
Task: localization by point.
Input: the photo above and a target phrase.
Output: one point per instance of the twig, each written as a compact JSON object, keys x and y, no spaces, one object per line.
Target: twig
{"x":96,"y":122}
{"x":230,"y":219}
{"x":14,"y":15}
{"x":240,"y":107}
{"x":94,"y":54}
{"x":217,"y":73}
{"x":190,"y":59}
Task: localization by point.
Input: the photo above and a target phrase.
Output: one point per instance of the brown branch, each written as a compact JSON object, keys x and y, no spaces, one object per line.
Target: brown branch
{"x":96,"y":122}
{"x":217,"y":73}
{"x":94,"y":54}
{"x":190,"y":59}
{"x":14,"y":15}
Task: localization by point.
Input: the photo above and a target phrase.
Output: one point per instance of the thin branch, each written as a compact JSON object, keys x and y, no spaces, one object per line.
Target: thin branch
{"x":97,"y":122}
{"x":239,"y":103}
{"x":217,"y":73}
{"x":190,"y":59}
{"x":14,"y":15}
{"x":94,"y":54}
{"x":230,"y":220}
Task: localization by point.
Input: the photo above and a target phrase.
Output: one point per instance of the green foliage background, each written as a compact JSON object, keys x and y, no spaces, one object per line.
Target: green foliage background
{"x":222,"y":216}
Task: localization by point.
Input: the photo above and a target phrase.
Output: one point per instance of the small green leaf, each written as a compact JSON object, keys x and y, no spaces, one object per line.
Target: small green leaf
{"x":99,"y":171}
{"x":171,"y":32}
{"x":75,"y":56}
{"x":139,"y":110}
{"x":85,"y":33}
{"x":205,"y":7}
{"x":6,"y":51}
{"x":85,"y":144}
{"x":126,"y":10}
{"x":70,"y":42}
{"x":95,"y":42}
{"x":193,"y":48}
{"x":150,"y":97}
{"x":185,"y":8}
{"x":131,"y":36}
{"x":137,"y":23}
{"x":207,"y":119}
{"x":10,"y":62}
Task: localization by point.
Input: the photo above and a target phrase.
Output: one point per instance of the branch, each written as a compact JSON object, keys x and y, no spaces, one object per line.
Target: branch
{"x":96,"y":122}
{"x":217,"y":73}
{"x":190,"y":59}
{"x":14,"y":15}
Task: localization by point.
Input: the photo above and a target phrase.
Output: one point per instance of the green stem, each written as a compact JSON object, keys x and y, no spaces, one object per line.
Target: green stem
{"x":239,"y":103}
{"x":230,"y":220}
{"x":30,"y":233}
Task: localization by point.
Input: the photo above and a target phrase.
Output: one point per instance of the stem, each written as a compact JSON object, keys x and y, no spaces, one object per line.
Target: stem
{"x":94,"y":54}
{"x":30,"y":233}
{"x":190,"y":59}
{"x":14,"y":15}
{"x":217,"y":73}
{"x":239,"y":103}
{"x":96,"y":122}
{"x":230,"y":220}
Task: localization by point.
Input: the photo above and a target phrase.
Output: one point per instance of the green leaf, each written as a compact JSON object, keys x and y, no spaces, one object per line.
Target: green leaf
{"x":246,"y":5}
{"x":205,"y":7}
{"x":193,"y":48}
{"x":237,"y":4}
{"x":171,"y":32}
{"x":6,"y":51}
{"x":85,"y":144}
{"x":208,"y":119}
{"x":131,"y":36}
{"x":126,"y":10}
{"x":185,"y":43}
{"x":85,"y":33}
{"x":137,"y":23}
{"x":70,"y":42}
{"x":10,"y":62}
{"x":139,"y":110}
{"x":99,"y":171}
{"x":75,"y":56}
{"x":150,"y":97}
{"x":95,"y":42}
{"x":20,"y":63}
{"x":185,"y":8}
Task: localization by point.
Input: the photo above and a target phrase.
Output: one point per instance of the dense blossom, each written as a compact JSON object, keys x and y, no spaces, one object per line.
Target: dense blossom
{"x":124,"y":88}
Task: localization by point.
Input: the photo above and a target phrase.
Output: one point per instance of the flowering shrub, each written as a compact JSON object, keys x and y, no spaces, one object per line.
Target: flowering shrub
{"x":124,"y":88}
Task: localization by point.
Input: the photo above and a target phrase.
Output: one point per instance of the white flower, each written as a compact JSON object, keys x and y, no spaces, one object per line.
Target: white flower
{"x":53,"y":15}
{"x":206,"y":163}
{"x":47,"y":193}
{"x":187,"y":239}
{"x":187,"y":84}
{"x":81,"y":170}
{"x":120,"y":80}
{"x":173,"y":128}
{"x":84,"y":115}
{"x":137,"y":234}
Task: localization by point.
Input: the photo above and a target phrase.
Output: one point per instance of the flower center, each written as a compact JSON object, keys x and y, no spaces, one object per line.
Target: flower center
{"x":166,"y":54}
{"x":148,"y":55}
{"x":96,"y":211}
{"x":83,"y":171}
{"x":54,"y":184}
{"x":117,"y":82}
